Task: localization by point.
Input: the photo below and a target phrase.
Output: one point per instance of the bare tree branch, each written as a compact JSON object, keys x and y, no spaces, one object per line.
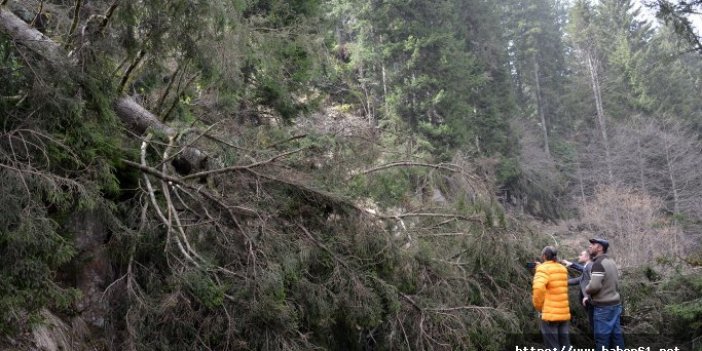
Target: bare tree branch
{"x":438,"y":215}
{"x":179,"y":96}
{"x":241,"y":168}
{"x":76,"y":18}
{"x":161,"y":100}
{"x":447,"y":167}
{"x":125,"y":78}
{"x":176,"y":180}
{"x":295,"y":137}
{"x":108,"y":15}
{"x":38,"y":15}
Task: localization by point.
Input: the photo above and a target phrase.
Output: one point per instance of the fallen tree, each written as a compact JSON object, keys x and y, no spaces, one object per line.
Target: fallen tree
{"x":269,"y":253}
{"x":137,"y":118}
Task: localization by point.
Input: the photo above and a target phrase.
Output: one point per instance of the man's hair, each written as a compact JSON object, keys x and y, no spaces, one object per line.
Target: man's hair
{"x":550,"y":253}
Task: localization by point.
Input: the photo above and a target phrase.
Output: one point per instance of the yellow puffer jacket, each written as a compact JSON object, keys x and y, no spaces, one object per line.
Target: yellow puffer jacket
{"x":551,"y":292}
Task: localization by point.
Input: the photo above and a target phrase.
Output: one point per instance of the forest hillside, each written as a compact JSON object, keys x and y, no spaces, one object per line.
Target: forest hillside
{"x":342,"y":175}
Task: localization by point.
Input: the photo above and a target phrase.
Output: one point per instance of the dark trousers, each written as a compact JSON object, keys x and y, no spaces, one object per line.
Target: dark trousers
{"x":590,"y":317}
{"x":555,"y":334}
{"x":589,"y":309}
{"x":608,"y":331}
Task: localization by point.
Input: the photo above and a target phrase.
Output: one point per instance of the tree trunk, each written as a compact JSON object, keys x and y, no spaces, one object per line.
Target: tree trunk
{"x":76,"y":18}
{"x":367,"y":107}
{"x":385,"y":89}
{"x":136,"y":117}
{"x":384,"y":80}
{"x":642,"y":179}
{"x":671,"y":175}
{"x":34,"y":40}
{"x":540,"y":107}
{"x":595,"y":81}
{"x":580,"y":182}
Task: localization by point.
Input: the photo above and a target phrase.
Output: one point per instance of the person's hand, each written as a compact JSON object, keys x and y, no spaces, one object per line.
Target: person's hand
{"x":537,"y":263}
{"x":585,"y":301}
{"x":566,"y":262}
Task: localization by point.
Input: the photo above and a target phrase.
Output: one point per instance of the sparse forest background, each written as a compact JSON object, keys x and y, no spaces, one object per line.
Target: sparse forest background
{"x":341,"y":175}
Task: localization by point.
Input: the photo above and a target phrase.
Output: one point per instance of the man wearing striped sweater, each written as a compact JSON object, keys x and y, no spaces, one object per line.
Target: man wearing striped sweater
{"x":603,"y":292}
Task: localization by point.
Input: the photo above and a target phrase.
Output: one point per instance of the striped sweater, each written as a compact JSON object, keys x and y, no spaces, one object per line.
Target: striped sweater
{"x":604,"y":282}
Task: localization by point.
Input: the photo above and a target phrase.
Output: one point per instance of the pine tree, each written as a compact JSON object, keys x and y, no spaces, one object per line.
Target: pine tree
{"x":537,"y":58}
{"x":439,"y":69}
{"x":677,"y":14}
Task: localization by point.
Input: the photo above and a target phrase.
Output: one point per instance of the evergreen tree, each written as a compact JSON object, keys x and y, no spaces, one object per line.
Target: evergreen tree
{"x":670,"y":77}
{"x":677,"y":14}
{"x":537,"y":59}
{"x":622,"y":39}
{"x":440,"y":67}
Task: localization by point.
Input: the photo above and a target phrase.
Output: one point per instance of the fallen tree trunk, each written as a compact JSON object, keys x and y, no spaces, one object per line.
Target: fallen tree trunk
{"x":137,"y":118}
{"x":25,"y":35}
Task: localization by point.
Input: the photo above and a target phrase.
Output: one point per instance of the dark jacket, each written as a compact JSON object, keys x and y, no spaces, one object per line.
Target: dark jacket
{"x":583,"y":279}
{"x":603,"y":287}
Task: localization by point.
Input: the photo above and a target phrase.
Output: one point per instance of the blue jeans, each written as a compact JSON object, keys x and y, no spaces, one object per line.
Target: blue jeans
{"x":608,"y":332}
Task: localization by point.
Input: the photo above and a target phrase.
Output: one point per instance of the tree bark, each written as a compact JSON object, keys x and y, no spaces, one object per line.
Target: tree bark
{"x":139,"y":119}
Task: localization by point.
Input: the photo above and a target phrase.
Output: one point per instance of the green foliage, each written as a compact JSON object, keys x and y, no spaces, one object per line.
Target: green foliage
{"x":289,"y":256}
{"x":58,"y":153}
{"x":206,"y":291}
{"x":508,"y":170}
{"x":388,"y":189}
{"x":678,"y":16}
{"x":669,"y":304}
{"x":685,"y":305}
{"x":537,"y":58}
{"x":689,"y":311}
{"x":330,"y":276}
{"x":11,"y":72}
{"x":433,"y":83}
{"x":31,"y":250}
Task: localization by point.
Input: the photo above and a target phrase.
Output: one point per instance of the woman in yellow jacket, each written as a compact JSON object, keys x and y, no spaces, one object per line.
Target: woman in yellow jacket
{"x":550,"y":298}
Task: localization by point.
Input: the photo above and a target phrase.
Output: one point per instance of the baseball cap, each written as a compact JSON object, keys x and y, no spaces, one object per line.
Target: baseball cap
{"x":603,"y":242}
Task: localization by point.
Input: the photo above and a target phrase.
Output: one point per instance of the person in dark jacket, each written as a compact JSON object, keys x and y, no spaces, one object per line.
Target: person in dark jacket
{"x":584,"y":265}
{"x":603,"y":291}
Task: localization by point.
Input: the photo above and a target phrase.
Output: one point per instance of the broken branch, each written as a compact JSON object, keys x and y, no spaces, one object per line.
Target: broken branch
{"x":241,"y":168}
